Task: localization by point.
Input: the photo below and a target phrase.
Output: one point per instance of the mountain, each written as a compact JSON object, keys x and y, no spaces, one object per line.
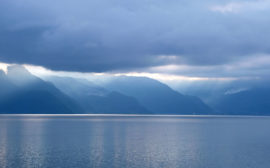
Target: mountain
{"x":6,"y":86}
{"x":23,"y":92}
{"x":97,"y":99}
{"x":158,"y":97}
{"x":255,"y":101}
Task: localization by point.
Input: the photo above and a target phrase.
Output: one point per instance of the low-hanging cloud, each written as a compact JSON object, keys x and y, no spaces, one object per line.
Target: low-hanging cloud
{"x":100,"y":35}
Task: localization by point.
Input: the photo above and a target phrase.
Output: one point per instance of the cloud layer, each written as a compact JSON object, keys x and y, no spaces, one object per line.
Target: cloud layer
{"x":100,"y":36}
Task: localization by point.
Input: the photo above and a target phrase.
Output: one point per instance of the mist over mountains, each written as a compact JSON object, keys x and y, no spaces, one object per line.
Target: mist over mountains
{"x":237,"y":97}
{"x":96,"y":99}
{"x":157,"y":96}
{"x":23,"y":93}
{"x":254,"y":101}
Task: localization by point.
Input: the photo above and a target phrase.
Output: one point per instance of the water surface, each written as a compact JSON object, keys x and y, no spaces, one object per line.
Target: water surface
{"x":134,"y":141}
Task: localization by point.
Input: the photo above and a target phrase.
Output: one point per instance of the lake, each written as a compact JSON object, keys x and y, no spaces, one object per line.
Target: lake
{"x":102,"y":141}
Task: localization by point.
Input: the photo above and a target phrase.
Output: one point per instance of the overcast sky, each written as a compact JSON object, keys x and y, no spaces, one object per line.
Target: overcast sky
{"x":193,"y":38}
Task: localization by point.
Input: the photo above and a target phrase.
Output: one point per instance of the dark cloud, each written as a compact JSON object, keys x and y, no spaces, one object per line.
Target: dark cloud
{"x":99,"y":35}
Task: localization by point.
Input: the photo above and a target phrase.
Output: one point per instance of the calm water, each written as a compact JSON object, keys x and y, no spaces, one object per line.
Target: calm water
{"x":134,"y":141}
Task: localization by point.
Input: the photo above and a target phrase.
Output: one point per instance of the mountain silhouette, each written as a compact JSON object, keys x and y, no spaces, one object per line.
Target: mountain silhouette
{"x":255,"y":101}
{"x":158,"y":97}
{"x":96,"y":99}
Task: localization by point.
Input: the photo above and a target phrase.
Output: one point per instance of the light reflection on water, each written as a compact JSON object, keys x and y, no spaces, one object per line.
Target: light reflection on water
{"x":134,"y":141}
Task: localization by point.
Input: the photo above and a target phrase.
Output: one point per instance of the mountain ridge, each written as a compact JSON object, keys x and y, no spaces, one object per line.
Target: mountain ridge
{"x":157,"y":96}
{"x":30,"y":94}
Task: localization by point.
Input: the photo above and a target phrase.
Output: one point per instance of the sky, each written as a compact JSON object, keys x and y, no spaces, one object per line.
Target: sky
{"x":163,"y":39}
